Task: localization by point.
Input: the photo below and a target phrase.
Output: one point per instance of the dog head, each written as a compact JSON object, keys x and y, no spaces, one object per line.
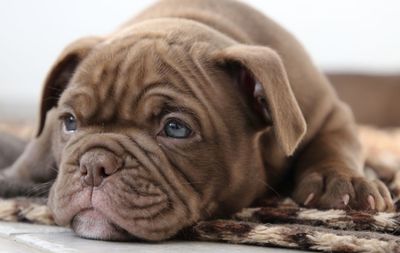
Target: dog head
{"x":161,"y":125}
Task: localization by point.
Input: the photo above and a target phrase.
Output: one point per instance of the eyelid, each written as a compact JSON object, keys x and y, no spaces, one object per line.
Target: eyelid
{"x":67,"y":111}
{"x":65,"y":115}
{"x":172,"y":108}
{"x":180,"y":121}
{"x":181,"y":117}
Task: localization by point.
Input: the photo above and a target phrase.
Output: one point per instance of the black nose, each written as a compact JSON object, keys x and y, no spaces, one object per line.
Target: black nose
{"x":97,"y":164}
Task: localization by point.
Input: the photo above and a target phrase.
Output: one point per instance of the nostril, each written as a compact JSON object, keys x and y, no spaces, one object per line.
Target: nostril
{"x":102,"y":172}
{"x":110,"y":165}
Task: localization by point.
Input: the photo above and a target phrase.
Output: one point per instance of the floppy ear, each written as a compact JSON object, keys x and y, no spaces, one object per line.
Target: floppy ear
{"x":263,"y":75}
{"x":61,"y":73}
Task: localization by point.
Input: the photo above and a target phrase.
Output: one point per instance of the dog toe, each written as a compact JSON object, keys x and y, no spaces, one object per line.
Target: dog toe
{"x":369,"y":195}
{"x":338,"y":192}
{"x":308,"y":191}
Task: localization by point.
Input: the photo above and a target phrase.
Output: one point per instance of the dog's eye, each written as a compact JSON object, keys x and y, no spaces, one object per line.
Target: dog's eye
{"x":70,"y":124}
{"x":176,"y":129}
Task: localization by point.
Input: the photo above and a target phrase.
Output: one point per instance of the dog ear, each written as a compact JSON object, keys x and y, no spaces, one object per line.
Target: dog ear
{"x":61,"y":73}
{"x":263,"y":76}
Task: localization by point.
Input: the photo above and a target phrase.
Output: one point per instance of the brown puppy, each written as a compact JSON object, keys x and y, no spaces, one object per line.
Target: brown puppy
{"x":190,"y":111}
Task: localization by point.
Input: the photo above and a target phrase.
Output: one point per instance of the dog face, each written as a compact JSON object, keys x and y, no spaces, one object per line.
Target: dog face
{"x":152,"y":133}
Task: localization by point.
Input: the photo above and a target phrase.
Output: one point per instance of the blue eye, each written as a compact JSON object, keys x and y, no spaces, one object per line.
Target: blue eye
{"x":176,"y":129}
{"x":70,"y":124}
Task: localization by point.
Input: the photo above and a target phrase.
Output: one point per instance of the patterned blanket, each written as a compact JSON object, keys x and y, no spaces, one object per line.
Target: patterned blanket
{"x":280,"y":222}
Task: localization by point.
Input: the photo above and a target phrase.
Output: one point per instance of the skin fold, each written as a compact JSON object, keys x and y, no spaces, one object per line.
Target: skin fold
{"x":192,"y":110}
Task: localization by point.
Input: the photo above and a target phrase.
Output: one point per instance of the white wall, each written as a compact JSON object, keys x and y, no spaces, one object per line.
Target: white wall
{"x":361,"y":35}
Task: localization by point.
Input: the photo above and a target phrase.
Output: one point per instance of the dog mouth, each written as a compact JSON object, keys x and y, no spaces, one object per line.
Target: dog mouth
{"x":100,"y":215}
{"x":93,"y":224}
{"x":145,"y":201}
{"x":104,"y":216}
{"x":128,"y":206}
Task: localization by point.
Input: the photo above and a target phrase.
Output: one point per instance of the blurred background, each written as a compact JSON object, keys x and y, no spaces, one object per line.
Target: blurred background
{"x":340,"y":35}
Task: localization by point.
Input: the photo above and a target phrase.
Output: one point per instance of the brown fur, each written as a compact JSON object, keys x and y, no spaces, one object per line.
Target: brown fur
{"x":257,"y":107}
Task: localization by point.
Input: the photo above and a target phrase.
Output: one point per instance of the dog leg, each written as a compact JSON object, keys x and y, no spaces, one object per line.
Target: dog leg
{"x":329,"y":172}
{"x":34,"y":170}
{"x":30,"y":174}
{"x":10,"y":148}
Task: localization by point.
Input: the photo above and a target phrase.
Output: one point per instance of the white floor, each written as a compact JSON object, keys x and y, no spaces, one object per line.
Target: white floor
{"x":27,"y":238}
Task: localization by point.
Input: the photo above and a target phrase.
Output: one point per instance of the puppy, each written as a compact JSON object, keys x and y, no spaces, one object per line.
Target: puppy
{"x":190,"y":111}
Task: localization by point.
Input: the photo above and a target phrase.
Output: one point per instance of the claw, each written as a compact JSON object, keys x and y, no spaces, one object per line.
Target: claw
{"x":388,"y":206}
{"x":346,"y":199}
{"x":309,"y":198}
{"x":371,"y":202}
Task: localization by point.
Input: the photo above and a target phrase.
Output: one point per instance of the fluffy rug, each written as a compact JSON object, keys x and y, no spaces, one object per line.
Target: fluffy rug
{"x":280,"y":222}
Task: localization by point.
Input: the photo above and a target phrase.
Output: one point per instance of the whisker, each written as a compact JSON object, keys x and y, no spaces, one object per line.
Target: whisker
{"x":269,"y":187}
{"x":39,"y":189}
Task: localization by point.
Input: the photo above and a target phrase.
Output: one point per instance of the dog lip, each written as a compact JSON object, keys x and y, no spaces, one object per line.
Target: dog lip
{"x":91,"y":223}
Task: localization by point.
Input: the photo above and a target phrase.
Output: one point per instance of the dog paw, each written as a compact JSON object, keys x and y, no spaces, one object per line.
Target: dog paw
{"x":342,"y":191}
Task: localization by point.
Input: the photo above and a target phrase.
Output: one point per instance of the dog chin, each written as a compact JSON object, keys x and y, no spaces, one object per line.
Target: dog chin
{"x":92,"y":224}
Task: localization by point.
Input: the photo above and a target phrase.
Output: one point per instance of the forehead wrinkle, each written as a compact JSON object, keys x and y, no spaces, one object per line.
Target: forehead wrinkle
{"x":149,"y":69}
{"x":90,"y":75}
{"x":149,"y":88}
{"x":107,"y":105}
{"x":94,"y":65}
{"x":145,"y":95}
{"x":80,"y":95}
{"x":126,"y":89}
{"x":111,"y":74}
{"x":119,"y":82}
{"x":139,"y":75}
{"x":176,"y":80}
{"x":181,"y":61}
{"x":177,"y":102}
{"x":122,"y":84}
{"x":110,"y":70}
{"x":168,"y":80}
{"x":105,"y":88}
